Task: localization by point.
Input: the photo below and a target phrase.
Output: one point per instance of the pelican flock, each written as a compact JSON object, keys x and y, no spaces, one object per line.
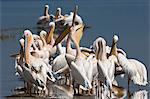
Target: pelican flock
{"x":45,"y":57}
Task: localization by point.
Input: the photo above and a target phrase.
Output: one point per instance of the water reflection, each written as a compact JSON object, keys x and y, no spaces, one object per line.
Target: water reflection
{"x":6,"y":36}
{"x":141,"y":94}
{"x":66,"y":92}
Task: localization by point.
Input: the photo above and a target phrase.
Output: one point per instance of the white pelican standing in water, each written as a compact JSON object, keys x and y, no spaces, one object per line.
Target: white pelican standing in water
{"x":60,"y":64}
{"x":32,"y":61}
{"x":19,"y":60}
{"x":60,"y":59}
{"x":105,"y":66}
{"x":77,"y":66}
{"x":24,"y":71}
{"x":135,"y":70}
{"x":68,"y":19}
{"x":70,"y":56}
{"x":81,"y":79}
{"x":44,"y":20}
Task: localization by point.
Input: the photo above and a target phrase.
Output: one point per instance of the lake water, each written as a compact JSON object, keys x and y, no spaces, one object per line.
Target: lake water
{"x":128,"y":19}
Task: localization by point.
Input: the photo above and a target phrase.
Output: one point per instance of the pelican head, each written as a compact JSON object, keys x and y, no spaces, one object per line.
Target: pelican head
{"x":46,"y":10}
{"x":59,"y":10}
{"x":47,"y":6}
{"x":58,"y":13}
{"x":52,"y":24}
{"x":36,"y":37}
{"x":28,"y":38}
{"x":97,"y":43}
{"x":114,"y":46}
{"x":99,"y":47}
{"x":51,"y":28}
{"x":27,"y":33}
{"x":115,"y":38}
{"x":51,"y":32}
{"x":43,"y":33}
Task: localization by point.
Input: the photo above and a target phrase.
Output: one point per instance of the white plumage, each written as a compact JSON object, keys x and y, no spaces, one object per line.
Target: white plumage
{"x":134,"y":69}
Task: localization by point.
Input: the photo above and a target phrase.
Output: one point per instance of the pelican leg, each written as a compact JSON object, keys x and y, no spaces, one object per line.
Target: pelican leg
{"x":71,"y":80}
{"x":67,"y":82}
{"x":34,"y":91}
{"x":74,"y":88}
{"x":78,"y":86}
{"x":101,"y":90}
{"x":44,"y":92}
{"x":24,"y":84}
{"x":93,"y":87}
{"x":29,"y":90}
{"x":25,"y":87}
{"x":98,"y":88}
{"x":37,"y":92}
{"x":110,"y":93}
{"x":82,"y":91}
{"x":97,"y":91}
{"x":128,"y":82}
{"x":66,"y":79}
{"x":89,"y":92}
{"x":128,"y":94}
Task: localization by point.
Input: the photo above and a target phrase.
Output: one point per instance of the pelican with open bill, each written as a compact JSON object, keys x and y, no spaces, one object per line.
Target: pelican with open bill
{"x":60,"y":38}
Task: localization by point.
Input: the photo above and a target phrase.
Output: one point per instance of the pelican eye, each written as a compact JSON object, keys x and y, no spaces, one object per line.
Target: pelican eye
{"x":76,"y":23}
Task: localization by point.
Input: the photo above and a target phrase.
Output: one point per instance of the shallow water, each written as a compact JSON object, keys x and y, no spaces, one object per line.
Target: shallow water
{"x":128,"y":19}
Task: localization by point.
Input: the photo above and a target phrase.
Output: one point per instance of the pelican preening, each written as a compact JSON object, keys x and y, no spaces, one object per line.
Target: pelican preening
{"x":44,"y":58}
{"x":105,"y":66}
{"x":135,"y":70}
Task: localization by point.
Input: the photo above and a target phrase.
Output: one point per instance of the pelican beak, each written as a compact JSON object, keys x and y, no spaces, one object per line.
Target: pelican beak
{"x":77,"y":35}
{"x":50,"y":34}
{"x":57,"y":13}
{"x":28,"y":43}
{"x":79,"y":32}
{"x":62,"y":35}
{"x":15,"y":55}
{"x":114,"y":49}
{"x":29,"y":39}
